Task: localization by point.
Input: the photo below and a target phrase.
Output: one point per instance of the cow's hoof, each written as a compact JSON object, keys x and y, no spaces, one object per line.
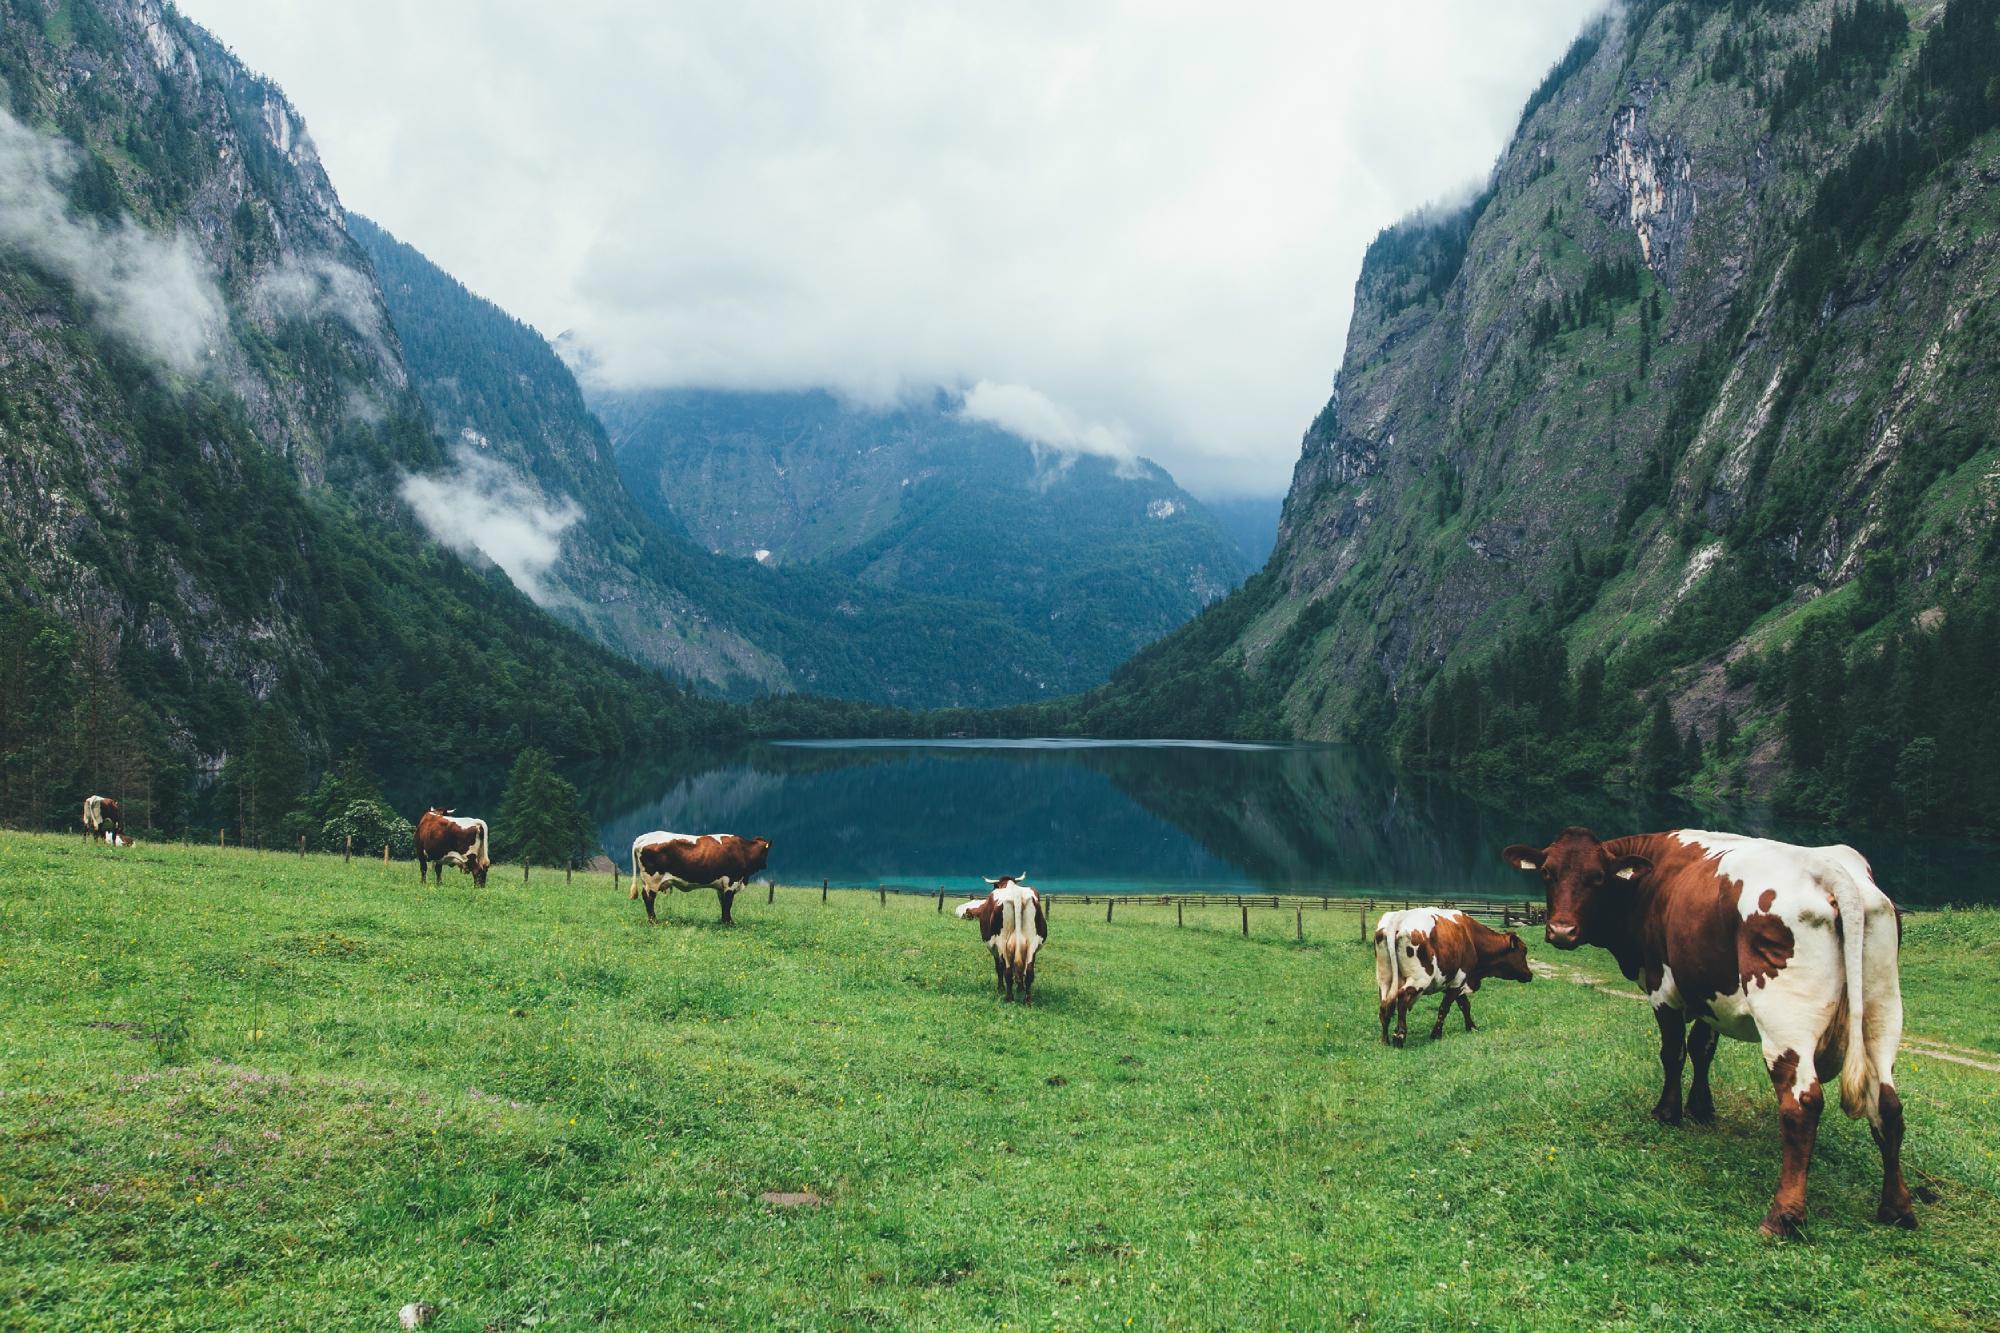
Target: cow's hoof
{"x":1896,"y":1216}
{"x":1783,"y":1223}
{"x":1437,"y":1034}
{"x":1667,"y":1115}
{"x":1397,"y":1042}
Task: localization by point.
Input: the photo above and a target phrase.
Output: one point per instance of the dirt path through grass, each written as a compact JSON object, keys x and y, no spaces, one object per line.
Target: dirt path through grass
{"x":1919,"y":1045}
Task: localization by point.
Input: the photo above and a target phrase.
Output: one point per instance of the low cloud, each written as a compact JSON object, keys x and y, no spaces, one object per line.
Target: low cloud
{"x":1047,"y":425}
{"x":155,"y":292}
{"x":317,"y":287}
{"x":483,"y":506}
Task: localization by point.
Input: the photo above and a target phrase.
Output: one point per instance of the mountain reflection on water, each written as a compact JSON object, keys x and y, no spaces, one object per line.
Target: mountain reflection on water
{"x":1092,"y":816}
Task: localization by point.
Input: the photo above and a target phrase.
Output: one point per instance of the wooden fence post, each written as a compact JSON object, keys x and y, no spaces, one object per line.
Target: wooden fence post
{"x":348,"y":855}
{"x":385,"y":856}
{"x":1107,"y":911}
{"x":881,"y":896}
{"x":614,"y":878}
{"x":524,"y":872}
{"x":302,"y":844}
{"x":1177,"y":915}
{"x":221,"y":838}
{"x":940,"y":900}
{"x":822,"y":891}
{"x":770,"y":891}
{"x":1364,"y":923}
{"x":568,"y":870}
{"x":1302,"y":924}
{"x":1246,"y":918}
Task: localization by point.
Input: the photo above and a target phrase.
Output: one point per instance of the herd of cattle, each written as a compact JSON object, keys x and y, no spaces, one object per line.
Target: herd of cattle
{"x":1794,"y":948}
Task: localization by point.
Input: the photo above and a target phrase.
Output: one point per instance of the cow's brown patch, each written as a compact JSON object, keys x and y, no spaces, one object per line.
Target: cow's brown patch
{"x":1764,"y":944}
{"x":705,"y":860}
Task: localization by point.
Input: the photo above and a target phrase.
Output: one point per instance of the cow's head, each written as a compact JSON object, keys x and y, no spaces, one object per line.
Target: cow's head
{"x":1576,"y":874}
{"x":1513,"y":964}
{"x":760,"y":855}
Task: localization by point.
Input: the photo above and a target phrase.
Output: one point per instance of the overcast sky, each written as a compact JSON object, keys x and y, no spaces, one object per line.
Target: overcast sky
{"x":1141,"y":219}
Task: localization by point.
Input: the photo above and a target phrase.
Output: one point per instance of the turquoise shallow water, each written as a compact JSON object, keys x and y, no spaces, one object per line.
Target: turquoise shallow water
{"x":1092,"y":816}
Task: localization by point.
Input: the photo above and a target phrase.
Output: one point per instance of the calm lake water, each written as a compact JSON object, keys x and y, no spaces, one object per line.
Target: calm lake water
{"x":1092,"y":816}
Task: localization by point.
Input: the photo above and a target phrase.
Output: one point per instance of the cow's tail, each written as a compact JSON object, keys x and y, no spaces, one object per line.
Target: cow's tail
{"x":635,"y":872}
{"x":479,"y":847}
{"x":1860,"y":1085}
{"x":1388,"y":963}
{"x":1015,"y":926}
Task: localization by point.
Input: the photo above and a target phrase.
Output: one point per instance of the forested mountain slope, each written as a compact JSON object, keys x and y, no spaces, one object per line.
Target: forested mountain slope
{"x":1687,"y":416}
{"x":204,"y":419}
{"x":1091,"y":556}
{"x":532,"y":482}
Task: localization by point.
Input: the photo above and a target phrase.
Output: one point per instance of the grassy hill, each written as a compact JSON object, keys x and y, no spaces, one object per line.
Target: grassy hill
{"x":235,"y":1086}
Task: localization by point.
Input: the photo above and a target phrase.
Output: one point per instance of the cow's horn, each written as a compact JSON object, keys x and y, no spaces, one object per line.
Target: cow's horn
{"x":990,"y":881}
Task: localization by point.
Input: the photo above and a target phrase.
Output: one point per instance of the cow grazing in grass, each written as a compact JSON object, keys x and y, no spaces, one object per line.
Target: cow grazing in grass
{"x":101,"y":815}
{"x":1794,"y":948}
{"x":1014,"y":926}
{"x":445,"y":839}
{"x":113,"y":838}
{"x":688,"y":861}
{"x":1422,"y":950}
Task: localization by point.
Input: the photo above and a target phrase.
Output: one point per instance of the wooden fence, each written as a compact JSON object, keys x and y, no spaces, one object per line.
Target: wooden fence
{"x":1366,"y":908}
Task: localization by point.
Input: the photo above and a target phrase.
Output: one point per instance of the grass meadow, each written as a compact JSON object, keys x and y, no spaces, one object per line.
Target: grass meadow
{"x":250,"y":1089}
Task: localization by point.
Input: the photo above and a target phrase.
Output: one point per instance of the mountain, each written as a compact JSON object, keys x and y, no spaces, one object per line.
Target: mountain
{"x":1251,"y":522}
{"x":1683,"y":422}
{"x":533,"y":487}
{"x":205,"y":422}
{"x":1090,"y":556}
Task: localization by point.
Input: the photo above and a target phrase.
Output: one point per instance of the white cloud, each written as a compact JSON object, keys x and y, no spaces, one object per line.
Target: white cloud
{"x":483,"y":506}
{"x":1046,"y":424}
{"x":1153,"y":211}
{"x":156,"y":292}
{"x":318,"y":287}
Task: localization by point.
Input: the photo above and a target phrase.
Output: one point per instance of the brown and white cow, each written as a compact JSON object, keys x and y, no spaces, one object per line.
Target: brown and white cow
{"x":1794,"y":948}
{"x":101,"y":815}
{"x":445,"y":839}
{"x":689,"y":861}
{"x":1014,"y":926}
{"x":1422,"y":950}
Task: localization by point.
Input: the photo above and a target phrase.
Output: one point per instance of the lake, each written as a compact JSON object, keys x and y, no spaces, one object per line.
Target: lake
{"x":1138,"y":816}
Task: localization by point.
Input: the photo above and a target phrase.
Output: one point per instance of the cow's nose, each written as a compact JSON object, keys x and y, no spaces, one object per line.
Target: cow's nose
{"x":1562,"y":936}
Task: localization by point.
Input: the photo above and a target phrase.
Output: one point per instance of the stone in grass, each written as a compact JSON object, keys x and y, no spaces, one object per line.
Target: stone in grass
{"x":416,"y":1314}
{"x":791,"y":1198}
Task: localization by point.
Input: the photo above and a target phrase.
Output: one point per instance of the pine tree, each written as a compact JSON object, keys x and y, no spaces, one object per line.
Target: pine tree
{"x":542,"y":822}
{"x":1660,"y":752}
{"x":1725,"y":731}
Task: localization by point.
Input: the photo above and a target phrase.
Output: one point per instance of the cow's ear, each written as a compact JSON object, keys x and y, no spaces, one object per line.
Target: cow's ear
{"x":1523,"y":857}
{"x":1631,"y":867}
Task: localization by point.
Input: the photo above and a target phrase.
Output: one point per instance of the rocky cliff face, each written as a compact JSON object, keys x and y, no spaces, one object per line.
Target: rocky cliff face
{"x":1081,"y":558}
{"x":1693,"y":348}
{"x":205,"y":418}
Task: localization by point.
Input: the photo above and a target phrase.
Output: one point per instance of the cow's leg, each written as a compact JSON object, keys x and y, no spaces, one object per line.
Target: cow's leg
{"x":1701,"y":1045}
{"x":1673,"y":1053}
{"x":1799,"y":1100}
{"x":999,"y":975}
{"x":649,"y":895}
{"x":1465,"y":1007}
{"x":1382,"y":1011}
{"x":1028,"y":983}
{"x":727,"y":897}
{"x":1886,"y":1127}
{"x":1444,"y":1009}
{"x":1403,"y":1000}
